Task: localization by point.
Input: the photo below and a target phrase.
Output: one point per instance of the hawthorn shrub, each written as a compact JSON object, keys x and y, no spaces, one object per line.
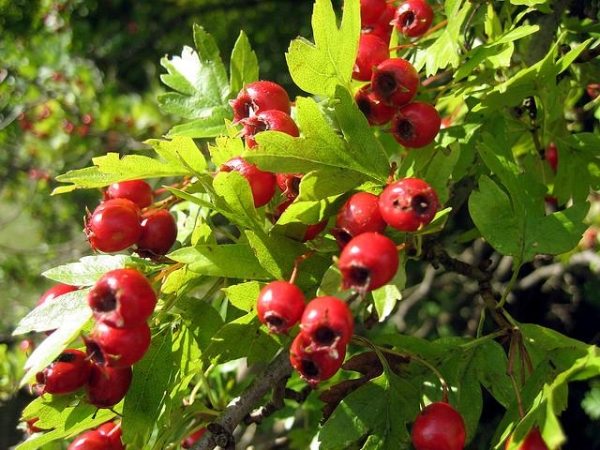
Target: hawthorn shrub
{"x":506,"y":80}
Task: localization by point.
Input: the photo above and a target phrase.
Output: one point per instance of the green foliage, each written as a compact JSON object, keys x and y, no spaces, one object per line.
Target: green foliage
{"x":488,"y":167}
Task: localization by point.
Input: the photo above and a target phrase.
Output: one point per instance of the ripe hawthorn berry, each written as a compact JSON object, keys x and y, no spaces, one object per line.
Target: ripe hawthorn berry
{"x":382,"y":27}
{"x":260,"y":96}
{"x":107,"y":385}
{"x":395,"y":81}
{"x":369,"y":261}
{"x":372,"y":50}
{"x":371,"y":10}
{"x":376,"y":111}
{"x":533,"y":441}
{"x":327,"y":321}
{"x":69,"y":372}
{"x":269,"y":120}
{"x":138,"y":191}
{"x":289,"y":184}
{"x":118,"y":347}
{"x":413,"y":17}
{"x":122,"y":298}
{"x":408,"y":204}
{"x":113,"y":226}
{"x":551,"y":155}
{"x":438,"y":427}
{"x":262,"y":184}
{"x":189,"y":441}
{"x":158,"y":234}
{"x":112,"y":430}
{"x":416,"y":124}
{"x":90,"y":440}
{"x":280,"y":305}
{"x":360,"y":214}
{"x":315,"y":364}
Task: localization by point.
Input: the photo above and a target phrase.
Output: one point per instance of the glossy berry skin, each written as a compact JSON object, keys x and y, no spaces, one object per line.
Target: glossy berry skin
{"x":416,"y":124}
{"x":69,"y":372}
{"x":315,"y":364}
{"x":189,"y":441}
{"x":107,"y":385}
{"x":113,"y":226}
{"x":269,"y":120}
{"x":118,"y":347}
{"x":327,"y":321}
{"x":551,"y":155}
{"x":371,"y":10}
{"x":369,"y":261}
{"x":260,"y":96}
{"x":395,"y":81}
{"x":91,"y":440}
{"x":122,"y":298}
{"x":360,"y":214}
{"x":372,"y":50}
{"x":413,"y":18}
{"x":158,"y":234}
{"x":533,"y":441}
{"x":138,"y":191}
{"x":289,"y":184}
{"x":408,"y":204}
{"x":262,"y":184}
{"x":280,"y":305}
{"x":376,"y":111}
{"x":382,"y":27}
{"x":112,"y":430}
{"x":438,"y":427}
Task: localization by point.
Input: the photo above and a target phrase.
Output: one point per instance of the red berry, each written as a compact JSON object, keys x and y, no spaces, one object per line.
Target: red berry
{"x":189,"y":441}
{"x":260,"y":96}
{"x":327,"y":321}
{"x":533,"y":441}
{"x":593,"y":90}
{"x":372,"y":51}
{"x":369,"y":261}
{"x":382,"y":27}
{"x":138,"y":191}
{"x":413,"y":17}
{"x":552,"y":156}
{"x":289,"y":183}
{"x":122,"y":298}
{"x":371,"y":10}
{"x":55,"y":291}
{"x":107,"y":385}
{"x":439,"y":427}
{"x":315,"y":364}
{"x":360,"y":214}
{"x":262,"y":184}
{"x":69,"y":372}
{"x":376,"y":111}
{"x":31,"y":428}
{"x":118,"y":347}
{"x":408,"y":204}
{"x":280,"y":305}
{"x":90,"y":440}
{"x":158,"y":234}
{"x":113,"y":226}
{"x":269,"y":120}
{"x":416,"y":124}
{"x":395,"y":81}
{"x":112,"y":430}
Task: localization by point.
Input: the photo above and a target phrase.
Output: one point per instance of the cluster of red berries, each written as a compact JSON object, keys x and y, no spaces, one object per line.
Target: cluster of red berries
{"x":393,"y":82}
{"x":122,"y":301}
{"x":124,"y":219}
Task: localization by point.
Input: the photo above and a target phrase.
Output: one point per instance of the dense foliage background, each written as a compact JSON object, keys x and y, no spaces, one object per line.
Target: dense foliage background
{"x":79,"y":79}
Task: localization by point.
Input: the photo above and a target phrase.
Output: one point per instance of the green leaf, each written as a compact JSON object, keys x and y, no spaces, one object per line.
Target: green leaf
{"x":243,"y":337}
{"x":202,"y":86}
{"x":150,"y":385}
{"x":318,"y":68}
{"x":243,"y":296}
{"x":179,"y":157}
{"x":228,"y":261}
{"x":244,"y":64}
{"x":87,"y":271}
{"x":321,"y":148}
{"x":372,"y":417}
{"x":237,"y":195}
